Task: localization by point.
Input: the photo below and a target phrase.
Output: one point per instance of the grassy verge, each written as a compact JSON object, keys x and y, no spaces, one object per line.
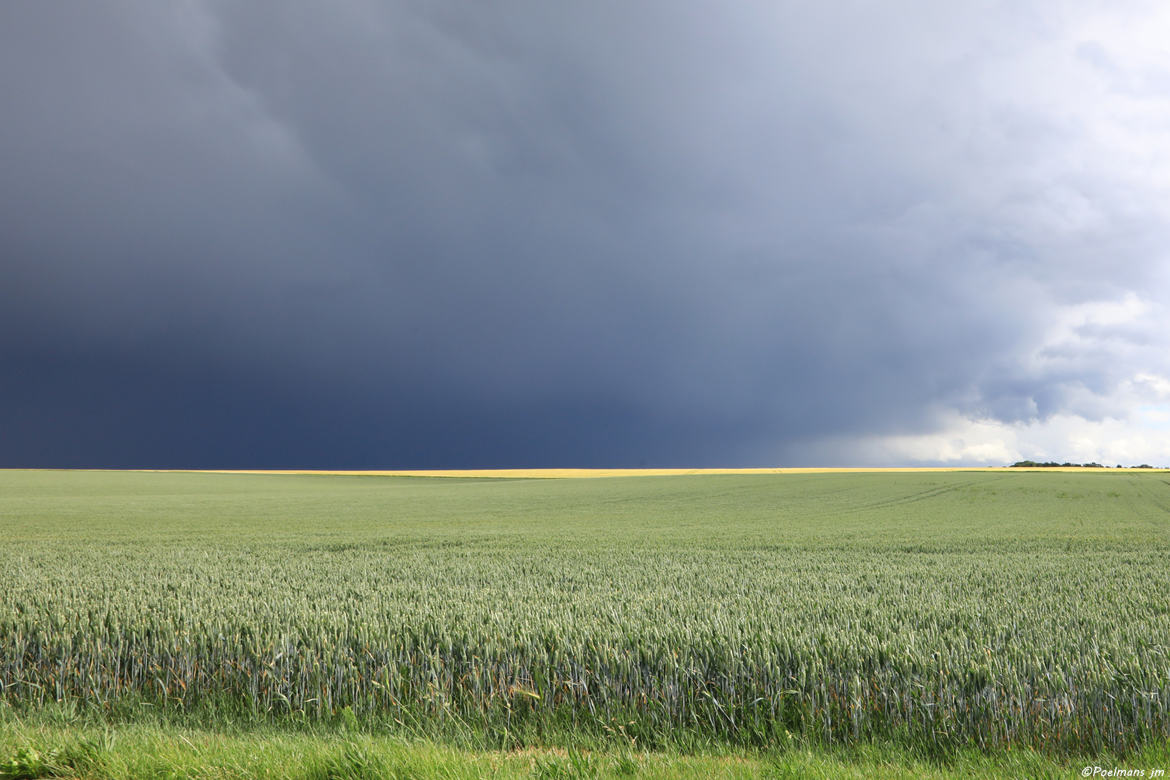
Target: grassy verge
{"x":39,"y":747}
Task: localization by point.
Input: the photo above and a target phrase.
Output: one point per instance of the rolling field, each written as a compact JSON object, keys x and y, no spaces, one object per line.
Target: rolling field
{"x":934,"y":611}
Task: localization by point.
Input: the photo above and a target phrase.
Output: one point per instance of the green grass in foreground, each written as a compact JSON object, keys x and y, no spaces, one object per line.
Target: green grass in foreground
{"x":933,"y":614}
{"x":47,"y":748}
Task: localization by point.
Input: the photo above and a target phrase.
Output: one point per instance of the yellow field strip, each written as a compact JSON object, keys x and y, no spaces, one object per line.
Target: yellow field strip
{"x":595,"y":473}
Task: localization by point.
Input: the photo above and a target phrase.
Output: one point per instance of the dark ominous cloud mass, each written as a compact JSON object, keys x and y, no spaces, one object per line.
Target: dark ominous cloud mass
{"x":437,"y":234}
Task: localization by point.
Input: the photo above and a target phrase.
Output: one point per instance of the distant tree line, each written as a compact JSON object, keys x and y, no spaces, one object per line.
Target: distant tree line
{"x":1031,"y":464}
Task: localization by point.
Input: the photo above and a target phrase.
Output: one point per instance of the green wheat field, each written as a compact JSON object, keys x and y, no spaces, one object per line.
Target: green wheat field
{"x":583,"y":627}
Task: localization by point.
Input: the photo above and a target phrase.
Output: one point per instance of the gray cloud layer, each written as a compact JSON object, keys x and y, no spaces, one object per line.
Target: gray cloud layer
{"x":358,"y":234}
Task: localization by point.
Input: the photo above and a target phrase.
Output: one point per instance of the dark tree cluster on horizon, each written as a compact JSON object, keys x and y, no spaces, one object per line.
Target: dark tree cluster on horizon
{"x":1031,"y":464}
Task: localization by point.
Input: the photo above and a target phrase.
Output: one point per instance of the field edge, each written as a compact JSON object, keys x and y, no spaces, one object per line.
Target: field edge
{"x":46,"y":747}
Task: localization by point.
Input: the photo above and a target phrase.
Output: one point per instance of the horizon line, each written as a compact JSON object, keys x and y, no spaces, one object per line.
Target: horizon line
{"x":585,"y":473}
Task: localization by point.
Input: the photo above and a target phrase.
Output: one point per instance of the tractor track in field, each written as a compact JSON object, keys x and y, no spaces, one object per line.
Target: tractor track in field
{"x":912,"y":498}
{"x":1156,"y":498}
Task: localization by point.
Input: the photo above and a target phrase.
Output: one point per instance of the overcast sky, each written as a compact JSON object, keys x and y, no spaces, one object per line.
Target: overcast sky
{"x":444,"y":234}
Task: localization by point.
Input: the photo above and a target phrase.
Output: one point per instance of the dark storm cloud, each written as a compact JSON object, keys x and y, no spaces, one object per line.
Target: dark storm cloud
{"x":359,"y":234}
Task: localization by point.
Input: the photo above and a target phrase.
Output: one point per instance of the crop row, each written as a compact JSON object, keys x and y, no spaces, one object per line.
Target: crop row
{"x":747,"y":647}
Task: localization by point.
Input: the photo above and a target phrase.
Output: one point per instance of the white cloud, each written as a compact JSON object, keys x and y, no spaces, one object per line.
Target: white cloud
{"x":1139,"y":438}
